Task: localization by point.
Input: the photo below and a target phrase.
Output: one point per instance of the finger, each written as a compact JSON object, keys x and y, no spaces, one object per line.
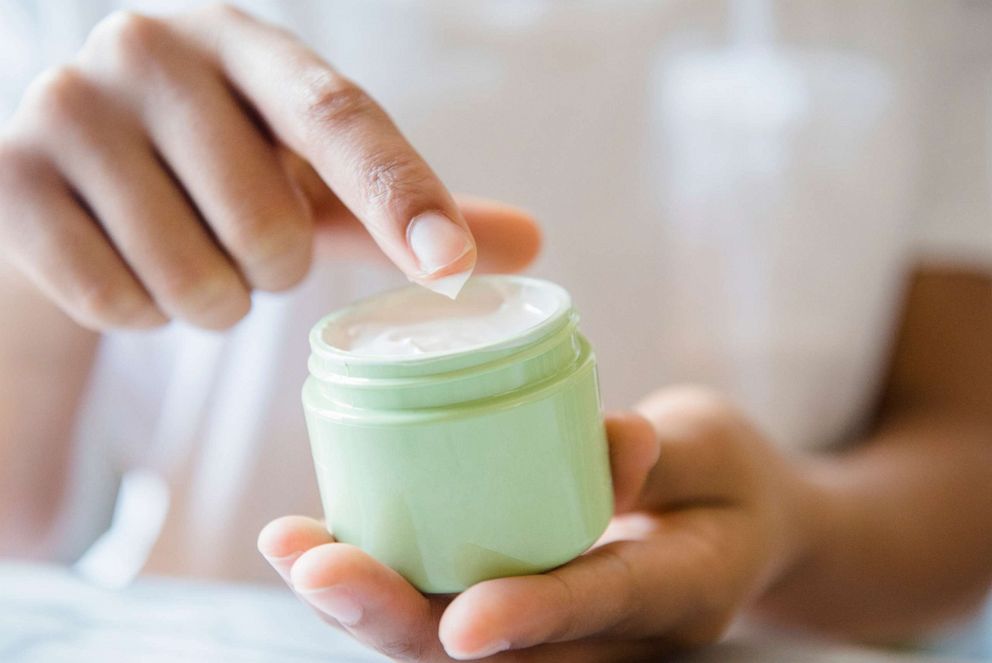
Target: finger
{"x":60,"y":247}
{"x":231,"y":172}
{"x":623,"y":589}
{"x":351,"y":142}
{"x":372,"y":601}
{"x":111,"y":166}
{"x":634,"y":450}
{"x":508,"y":238}
{"x":285,"y":539}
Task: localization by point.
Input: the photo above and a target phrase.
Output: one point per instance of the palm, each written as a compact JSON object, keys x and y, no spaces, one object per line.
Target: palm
{"x":692,"y":539}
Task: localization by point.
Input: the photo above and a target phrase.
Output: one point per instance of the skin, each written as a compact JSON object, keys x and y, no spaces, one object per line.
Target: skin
{"x":178,"y":164}
{"x":875,"y":543}
{"x":174,"y":166}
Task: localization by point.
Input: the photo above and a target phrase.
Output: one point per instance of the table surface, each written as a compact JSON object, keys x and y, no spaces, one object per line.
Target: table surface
{"x":49,"y":615}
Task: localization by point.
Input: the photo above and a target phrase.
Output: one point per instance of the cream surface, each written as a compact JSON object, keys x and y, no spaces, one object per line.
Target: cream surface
{"x":414,"y":322}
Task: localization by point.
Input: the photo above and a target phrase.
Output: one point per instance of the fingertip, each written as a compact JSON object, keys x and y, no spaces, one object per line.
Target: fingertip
{"x":446,"y":251}
{"x":642,"y":429}
{"x":291,"y":535}
{"x":473,"y":625}
{"x":455,"y":629}
{"x":508,"y":238}
{"x":634,"y":427}
{"x":529,"y":243}
{"x":634,"y":450}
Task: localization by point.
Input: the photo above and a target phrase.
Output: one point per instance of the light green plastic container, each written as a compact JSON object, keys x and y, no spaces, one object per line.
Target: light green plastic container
{"x":461,"y":467}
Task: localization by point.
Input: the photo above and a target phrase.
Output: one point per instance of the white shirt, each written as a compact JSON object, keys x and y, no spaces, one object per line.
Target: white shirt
{"x":733,"y":199}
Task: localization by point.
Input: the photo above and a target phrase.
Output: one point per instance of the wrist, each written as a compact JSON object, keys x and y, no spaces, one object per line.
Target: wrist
{"x":813,"y":528}
{"x":812,"y":513}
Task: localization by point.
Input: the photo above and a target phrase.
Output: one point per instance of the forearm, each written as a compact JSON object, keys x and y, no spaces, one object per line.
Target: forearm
{"x":44,"y":362}
{"x":897,"y":532}
{"x":899,"y":529}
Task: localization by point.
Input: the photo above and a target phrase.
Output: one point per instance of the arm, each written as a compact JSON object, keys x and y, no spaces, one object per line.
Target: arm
{"x":906,"y":517}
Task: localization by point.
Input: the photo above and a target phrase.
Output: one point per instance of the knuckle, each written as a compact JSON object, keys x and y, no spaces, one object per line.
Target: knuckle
{"x":60,"y":95}
{"x":219,"y":17}
{"x":222,"y":11}
{"x":329,"y":101}
{"x":104,"y":303}
{"x":708,"y":422}
{"x":388,"y":179}
{"x":701,"y":401}
{"x":129,"y":38}
{"x":705,"y":411}
{"x":15,"y":167}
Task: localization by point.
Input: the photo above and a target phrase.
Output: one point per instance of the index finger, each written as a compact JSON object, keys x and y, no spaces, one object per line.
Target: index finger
{"x":350,"y":141}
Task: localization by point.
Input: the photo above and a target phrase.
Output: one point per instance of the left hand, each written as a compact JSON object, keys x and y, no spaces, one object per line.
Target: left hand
{"x":708,"y":515}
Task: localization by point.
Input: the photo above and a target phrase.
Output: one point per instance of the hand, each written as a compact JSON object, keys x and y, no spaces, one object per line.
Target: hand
{"x":178,"y":163}
{"x":697,"y":535}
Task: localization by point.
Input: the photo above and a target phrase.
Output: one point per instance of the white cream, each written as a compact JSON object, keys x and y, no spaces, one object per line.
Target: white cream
{"x":414,"y":322}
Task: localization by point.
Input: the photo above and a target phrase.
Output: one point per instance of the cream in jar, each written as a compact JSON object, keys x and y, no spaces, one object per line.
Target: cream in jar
{"x":417,"y":322}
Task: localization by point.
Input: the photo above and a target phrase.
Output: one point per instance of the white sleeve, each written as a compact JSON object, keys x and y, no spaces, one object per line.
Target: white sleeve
{"x":20,"y":52}
{"x":954,"y":196}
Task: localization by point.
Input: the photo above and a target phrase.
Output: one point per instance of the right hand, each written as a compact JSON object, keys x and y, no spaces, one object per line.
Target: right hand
{"x":178,"y":163}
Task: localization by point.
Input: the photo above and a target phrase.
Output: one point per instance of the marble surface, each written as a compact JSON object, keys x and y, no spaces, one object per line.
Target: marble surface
{"x":47,"y":615}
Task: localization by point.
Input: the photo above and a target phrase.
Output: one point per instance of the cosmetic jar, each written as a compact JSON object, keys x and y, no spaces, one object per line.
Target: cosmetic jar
{"x":458,"y":441}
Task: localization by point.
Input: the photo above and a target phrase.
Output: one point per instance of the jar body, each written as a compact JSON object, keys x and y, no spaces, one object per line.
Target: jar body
{"x":451,"y":496}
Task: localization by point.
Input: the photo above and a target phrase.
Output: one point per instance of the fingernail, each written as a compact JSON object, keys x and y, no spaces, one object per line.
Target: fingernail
{"x":336,"y":602}
{"x":437,"y":241}
{"x":449,"y":286}
{"x":489,"y":649}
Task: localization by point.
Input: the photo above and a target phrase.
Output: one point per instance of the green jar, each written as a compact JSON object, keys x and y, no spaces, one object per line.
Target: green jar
{"x":457,"y":467}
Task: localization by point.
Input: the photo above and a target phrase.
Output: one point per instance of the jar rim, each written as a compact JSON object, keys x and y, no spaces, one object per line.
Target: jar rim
{"x":331,"y":356}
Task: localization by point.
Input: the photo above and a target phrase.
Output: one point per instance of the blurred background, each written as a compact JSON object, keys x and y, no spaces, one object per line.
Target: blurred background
{"x":734,"y":191}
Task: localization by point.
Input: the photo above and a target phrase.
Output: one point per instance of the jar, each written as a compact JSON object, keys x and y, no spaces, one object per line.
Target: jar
{"x":454,"y":466}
